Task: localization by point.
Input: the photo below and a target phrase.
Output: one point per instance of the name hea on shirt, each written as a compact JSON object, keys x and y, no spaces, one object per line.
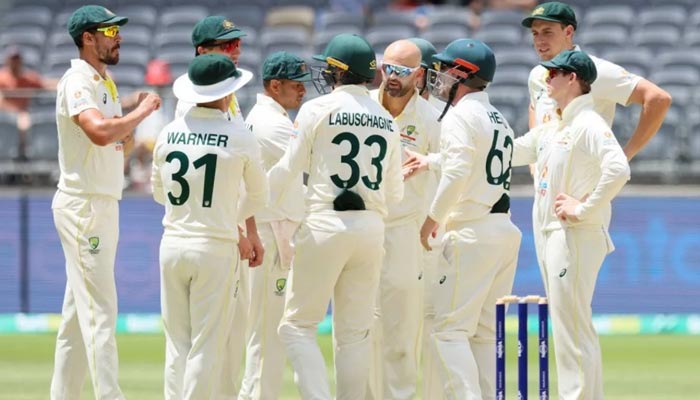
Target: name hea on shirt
{"x":198,"y":139}
{"x":496,"y":118}
{"x":360,"y":119}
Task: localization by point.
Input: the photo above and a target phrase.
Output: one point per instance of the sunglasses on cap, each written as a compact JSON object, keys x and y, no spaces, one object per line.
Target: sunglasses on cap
{"x":400,"y":70}
{"x":109,"y":31}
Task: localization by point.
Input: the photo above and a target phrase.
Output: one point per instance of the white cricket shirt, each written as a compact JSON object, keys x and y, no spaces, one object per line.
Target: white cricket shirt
{"x":87,"y":168}
{"x":579,"y":156}
{"x":344,"y":139}
{"x":271,"y":125}
{"x":199,"y":164}
{"x":477,"y":144}
{"x":420,"y":132}
{"x":613,"y":85}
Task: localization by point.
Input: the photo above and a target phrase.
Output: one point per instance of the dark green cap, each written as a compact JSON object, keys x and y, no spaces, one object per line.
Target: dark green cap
{"x":208,"y":69}
{"x":283,"y":65}
{"x":553,"y":11}
{"x":574,"y":61}
{"x":215,"y":28}
{"x":427,"y":51}
{"x":87,"y":17}
{"x":350,"y":52}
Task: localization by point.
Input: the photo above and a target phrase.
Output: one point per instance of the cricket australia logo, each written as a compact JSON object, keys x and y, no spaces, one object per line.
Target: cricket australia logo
{"x":499,"y":350}
{"x":280,"y":284}
{"x":543,"y":349}
{"x":94,"y":243}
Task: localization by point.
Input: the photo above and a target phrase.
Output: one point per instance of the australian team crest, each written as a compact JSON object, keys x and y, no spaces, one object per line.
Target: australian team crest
{"x":94,"y":242}
{"x":280,"y":284}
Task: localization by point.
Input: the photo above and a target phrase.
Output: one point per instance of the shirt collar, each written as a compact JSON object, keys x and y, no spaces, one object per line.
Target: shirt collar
{"x":80,"y":64}
{"x":207,"y":113}
{"x":266,"y":100}
{"x":481,"y":97}
{"x":577,"y":105}
{"x":352,"y":89}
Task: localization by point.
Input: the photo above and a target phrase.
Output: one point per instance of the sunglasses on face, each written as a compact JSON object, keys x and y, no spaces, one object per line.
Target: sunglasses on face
{"x":109,"y":31}
{"x":229,"y":46}
{"x":553,"y":73}
{"x":400,"y":70}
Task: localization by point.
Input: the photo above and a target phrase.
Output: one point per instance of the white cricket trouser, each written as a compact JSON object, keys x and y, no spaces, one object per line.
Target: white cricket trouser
{"x":572,"y":259}
{"x":338,"y":255}
{"x":88,"y":227}
{"x":265,"y":353}
{"x":235,"y":343}
{"x":478,"y":267}
{"x":398,"y":315}
{"x":197,"y":283}
{"x":432,"y":387}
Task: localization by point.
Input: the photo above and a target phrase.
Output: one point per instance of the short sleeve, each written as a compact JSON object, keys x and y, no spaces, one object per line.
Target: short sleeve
{"x":613,"y":83}
{"x":79,"y":94}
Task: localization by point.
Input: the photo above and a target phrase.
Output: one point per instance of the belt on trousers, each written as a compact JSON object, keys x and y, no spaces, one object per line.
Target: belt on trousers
{"x":502,"y":206}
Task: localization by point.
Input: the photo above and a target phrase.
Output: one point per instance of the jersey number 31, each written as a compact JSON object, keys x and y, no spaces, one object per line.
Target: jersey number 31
{"x":208,"y":161}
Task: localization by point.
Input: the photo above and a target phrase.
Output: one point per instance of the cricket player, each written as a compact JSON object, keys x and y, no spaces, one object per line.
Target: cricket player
{"x":553,"y":25}
{"x":349,"y":145}
{"x":200,"y":161}
{"x":91,"y":135}
{"x":283,"y":75}
{"x":399,"y":308}
{"x":217,"y":34}
{"x":579,"y":168}
{"x":480,"y":246}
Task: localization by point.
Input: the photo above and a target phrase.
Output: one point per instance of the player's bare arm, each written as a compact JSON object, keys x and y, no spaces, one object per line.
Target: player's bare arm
{"x":655,"y":103}
{"x":103,"y":131}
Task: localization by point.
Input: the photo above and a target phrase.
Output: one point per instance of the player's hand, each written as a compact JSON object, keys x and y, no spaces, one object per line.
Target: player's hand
{"x":429,"y":228}
{"x":414,"y":163}
{"x":258,"y":250}
{"x":149,"y":102}
{"x":565,"y":207}
{"x":245,"y":248}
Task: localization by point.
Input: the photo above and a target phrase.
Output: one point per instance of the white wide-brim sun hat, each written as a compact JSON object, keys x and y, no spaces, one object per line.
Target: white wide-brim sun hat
{"x":185,"y":90}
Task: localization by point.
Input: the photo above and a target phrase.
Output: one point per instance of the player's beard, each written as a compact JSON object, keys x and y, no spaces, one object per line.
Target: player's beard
{"x":399,"y":89}
{"x":110,"y":56}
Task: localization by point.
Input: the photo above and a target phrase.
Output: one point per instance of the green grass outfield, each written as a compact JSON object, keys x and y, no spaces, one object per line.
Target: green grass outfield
{"x":649,"y":367}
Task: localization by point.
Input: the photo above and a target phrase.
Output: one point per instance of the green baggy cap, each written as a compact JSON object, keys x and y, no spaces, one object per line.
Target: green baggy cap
{"x":553,"y":11}
{"x":574,"y":61}
{"x":87,"y":17}
{"x":215,"y":28}
{"x":283,"y":65}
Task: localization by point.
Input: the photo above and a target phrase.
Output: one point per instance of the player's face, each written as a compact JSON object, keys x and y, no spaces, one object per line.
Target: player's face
{"x":399,"y":80}
{"x":107,"y":43}
{"x":291,"y":93}
{"x":557,"y":82}
{"x":551,"y":38}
